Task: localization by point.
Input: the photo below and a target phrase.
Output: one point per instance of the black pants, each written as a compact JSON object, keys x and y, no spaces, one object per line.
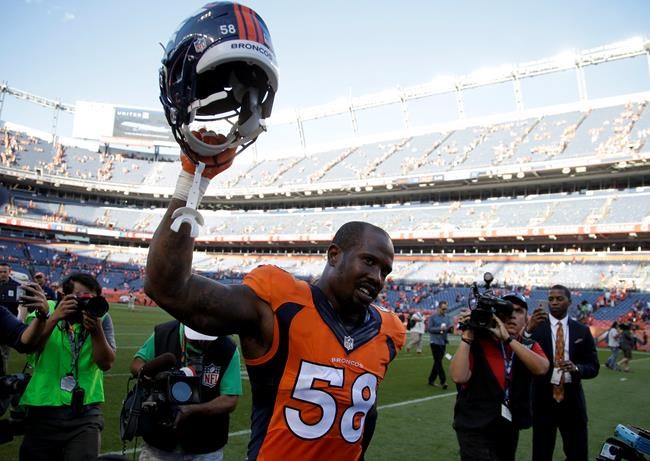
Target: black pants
{"x":53,"y":435}
{"x":572,"y":426}
{"x":4,"y":359}
{"x":438,"y":352}
{"x":497,"y":442}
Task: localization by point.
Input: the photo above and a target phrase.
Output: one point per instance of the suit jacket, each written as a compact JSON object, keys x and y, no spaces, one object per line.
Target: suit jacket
{"x":582,"y":352}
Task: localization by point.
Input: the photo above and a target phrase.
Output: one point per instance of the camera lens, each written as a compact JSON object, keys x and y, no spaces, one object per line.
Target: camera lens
{"x":181,"y":392}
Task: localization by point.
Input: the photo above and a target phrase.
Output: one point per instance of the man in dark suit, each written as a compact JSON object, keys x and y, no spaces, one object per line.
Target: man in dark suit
{"x":558,"y":398}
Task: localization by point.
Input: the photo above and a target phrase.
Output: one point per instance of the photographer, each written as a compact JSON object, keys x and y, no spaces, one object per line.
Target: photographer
{"x":64,"y":419}
{"x":199,"y":429}
{"x":9,"y":300}
{"x":493,"y":369}
{"x":14,"y":333}
{"x":23,"y":338}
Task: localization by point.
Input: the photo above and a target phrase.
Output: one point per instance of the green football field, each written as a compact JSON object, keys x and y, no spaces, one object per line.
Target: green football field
{"x":414,"y":418}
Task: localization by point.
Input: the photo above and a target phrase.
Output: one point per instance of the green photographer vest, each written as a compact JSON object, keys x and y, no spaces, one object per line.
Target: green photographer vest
{"x":55,"y":362}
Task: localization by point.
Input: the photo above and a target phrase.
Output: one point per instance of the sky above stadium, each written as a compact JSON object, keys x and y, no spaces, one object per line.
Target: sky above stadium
{"x":108,"y":51}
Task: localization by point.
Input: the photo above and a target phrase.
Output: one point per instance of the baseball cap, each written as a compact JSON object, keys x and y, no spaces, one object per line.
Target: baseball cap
{"x":196,"y":336}
{"x":516,"y":298}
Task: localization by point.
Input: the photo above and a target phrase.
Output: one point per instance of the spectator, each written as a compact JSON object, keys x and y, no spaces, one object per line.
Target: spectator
{"x":40,"y":278}
{"x":439,"y":327}
{"x":626,"y":341}
{"x":558,"y":399}
{"x":8,"y":289}
{"x":613,"y":335}
{"x":131,"y":301}
{"x":417,"y":331}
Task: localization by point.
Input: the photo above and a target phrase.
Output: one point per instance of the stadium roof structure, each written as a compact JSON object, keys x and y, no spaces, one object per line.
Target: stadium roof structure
{"x":625,"y":168}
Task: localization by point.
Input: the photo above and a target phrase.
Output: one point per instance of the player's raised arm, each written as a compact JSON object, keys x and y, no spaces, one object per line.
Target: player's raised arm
{"x":194,"y":300}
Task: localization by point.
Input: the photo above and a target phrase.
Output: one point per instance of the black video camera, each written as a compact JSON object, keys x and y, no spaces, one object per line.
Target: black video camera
{"x":12,"y":388}
{"x":631,"y":443}
{"x":484,"y":305}
{"x":97,"y":306}
{"x":151,"y":405}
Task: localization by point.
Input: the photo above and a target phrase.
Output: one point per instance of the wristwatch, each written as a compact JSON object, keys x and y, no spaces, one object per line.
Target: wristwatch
{"x":508,"y":340}
{"x":42,"y":316}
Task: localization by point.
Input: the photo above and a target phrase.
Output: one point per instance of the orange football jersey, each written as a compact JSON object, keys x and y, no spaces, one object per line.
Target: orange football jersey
{"x":312,"y":390}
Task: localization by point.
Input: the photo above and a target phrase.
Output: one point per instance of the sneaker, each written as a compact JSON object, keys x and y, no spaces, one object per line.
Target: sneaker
{"x":444,"y":386}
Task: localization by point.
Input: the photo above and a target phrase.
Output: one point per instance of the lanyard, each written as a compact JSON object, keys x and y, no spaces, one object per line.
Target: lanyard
{"x":507,"y":366}
{"x":185,"y":358}
{"x":76,"y":343}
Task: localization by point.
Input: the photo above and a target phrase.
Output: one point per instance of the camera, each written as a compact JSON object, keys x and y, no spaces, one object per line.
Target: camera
{"x":483,"y":305}
{"x":13,"y":386}
{"x":20,"y":292}
{"x":97,"y":306}
{"x":630,"y":443}
{"x":151,"y":406}
{"x":11,"y":389}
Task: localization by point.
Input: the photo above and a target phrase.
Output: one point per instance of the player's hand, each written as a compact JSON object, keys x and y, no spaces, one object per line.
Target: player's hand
{"x":538,"y":316}
{"x":215,"y":164}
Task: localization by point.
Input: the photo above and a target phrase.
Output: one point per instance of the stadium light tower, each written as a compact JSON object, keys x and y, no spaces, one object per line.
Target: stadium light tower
{"x":3,"y":91}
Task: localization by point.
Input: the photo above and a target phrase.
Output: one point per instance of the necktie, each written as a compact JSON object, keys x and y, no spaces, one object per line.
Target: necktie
{"x":558,"y":389}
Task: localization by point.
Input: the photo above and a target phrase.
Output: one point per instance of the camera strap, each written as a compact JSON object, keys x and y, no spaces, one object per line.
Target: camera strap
{"x":507,"y":367}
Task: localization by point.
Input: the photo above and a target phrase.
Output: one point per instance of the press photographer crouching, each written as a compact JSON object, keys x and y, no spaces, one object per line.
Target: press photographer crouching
{"x":187,"y":385}
{"x":62,"y":400}
{"x":493,"y":369}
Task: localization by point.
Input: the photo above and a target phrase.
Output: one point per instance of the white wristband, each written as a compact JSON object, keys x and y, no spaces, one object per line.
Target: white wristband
{"x":184,"y":184}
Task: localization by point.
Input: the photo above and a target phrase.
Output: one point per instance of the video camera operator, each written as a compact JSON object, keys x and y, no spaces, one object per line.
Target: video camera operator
{"x":62,"y":400}
{"x":199,"y":430}
{"x":493,"y":369}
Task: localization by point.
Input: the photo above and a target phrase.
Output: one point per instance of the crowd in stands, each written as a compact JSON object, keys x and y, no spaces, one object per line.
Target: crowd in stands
{"x":614,"y":132}
{"x":121,"y":271}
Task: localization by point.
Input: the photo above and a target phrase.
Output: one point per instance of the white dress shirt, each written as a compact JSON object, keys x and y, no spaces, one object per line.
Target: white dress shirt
{"x":565,"y":329}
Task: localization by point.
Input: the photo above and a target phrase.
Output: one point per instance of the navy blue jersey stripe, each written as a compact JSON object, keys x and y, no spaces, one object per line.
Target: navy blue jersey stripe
{"x":265,"y":379}
{"x":359,"y":335}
